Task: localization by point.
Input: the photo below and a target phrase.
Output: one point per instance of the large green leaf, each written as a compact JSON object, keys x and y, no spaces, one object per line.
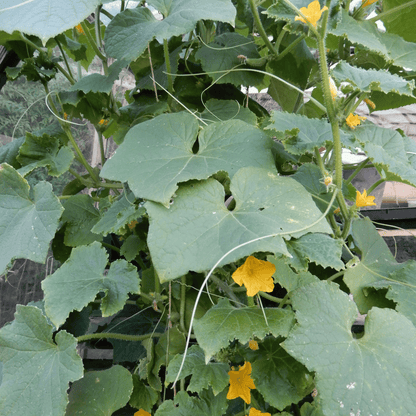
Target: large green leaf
{"x":77,"y":282}
{"x":37,"y":367}
{"x":183,"y":405}
{"x":370,"y":375}
{"x":388,"y":150}
{"x":203,"y":375}
{"x":98,"y":82}
{"x":44,"y":18}
{"x":376,"y":264}
{"x":391,"y":47}
{"x":320,"y":249}
{"x":41,"y":151}
{"x":367,"y":80}
{"x":403,"y":22}
{"x":199,"y":222}
{"x":222,"y":55}
{"x":278,"y":377}
{"x":129,"y":33}
{"x":143,"y":396}
{"x":80,"y":216}
{"x":401,"y":286}
{"x":100,"y":392}
{"x":301,"y":134}
{"x":153,"y":168}
{"x":224,"y":323}
{"x":27,"y":224}
{"x":120,"y":213}
{"x":10,"y":151}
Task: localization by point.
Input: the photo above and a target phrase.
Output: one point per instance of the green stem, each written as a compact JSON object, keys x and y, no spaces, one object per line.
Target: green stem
{"x":139,"y":260}
{"x":284,"y":301}
{"x":320,"y":162}
{"x":335,"y":276}
{"x":64,"y":73}
{"x":111,"y":185}
{"x":97,"y":26}
{"x":357,"y":171}
{"x":250,"y":300}
{"x":64,"y":56}
{"x":347,"y":225}
{"x":111,"y":247}
{"x":108,"y":14}
{"x":168,"y":67}
{"x":226,"y":289}
{"x":270,"y":297}
{"x":334,"y":225}
{"x":291,"y":46}
{"x":182,"y":305}
{"x":122,"y":337}
{"x":392,"y":11}
{"x":102,"y":152}
{"x":31,"y":44}
{"x":260,"y":28}
{"x":95,"y":47}
{"x":374,"y":185}
{"x":123,"y":4}
{"x":79,"y":177}
{"x":280,"y":38}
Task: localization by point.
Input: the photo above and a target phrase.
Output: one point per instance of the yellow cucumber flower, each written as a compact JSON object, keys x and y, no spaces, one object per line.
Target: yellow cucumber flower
{"x":362,"y":200}
{"x":353,"y":120}
{"x":103,"y":122}
{"x":142,"y":412}
{"x":366,"y":3}
{"x":255,"y":412}
{"x":333,"y":88}
{"x":253,"y":345}
{"x":256,"y":275}
{"x":241,"y":383}
{"x":79,"y":29}
{"x":312,"y":13}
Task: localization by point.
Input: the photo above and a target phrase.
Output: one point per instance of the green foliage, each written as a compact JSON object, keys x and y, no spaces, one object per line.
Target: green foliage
{"x":202,"y":178}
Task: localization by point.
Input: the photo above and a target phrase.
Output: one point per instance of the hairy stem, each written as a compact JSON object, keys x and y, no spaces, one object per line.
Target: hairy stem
{"x":182,"y":305}
{"x":122,"y":337}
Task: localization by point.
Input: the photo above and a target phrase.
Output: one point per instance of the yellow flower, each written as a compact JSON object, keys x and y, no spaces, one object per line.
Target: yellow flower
{"x":132,"y":224}
{"x":362,"y":200}
{"x":337,"y":211}
{"x":253,"y":345}
{"x":366,"y":3}
{"x":103,"y":122}
{"x":256,"y":275}
{"x":353,"y":120}
{"x":313,"y":13}
{"x":255,"y":412}
{"x":65,"y":116}
{"x":79,"y":29}
{"x":142,"y":412}
{"x":333,"y":88}
{"x":241,"y":383}
{"x":370,"y":103}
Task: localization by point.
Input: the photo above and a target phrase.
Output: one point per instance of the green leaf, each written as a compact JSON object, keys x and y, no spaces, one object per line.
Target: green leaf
{"x":27,"y":224}
{"x":129,"y":33}
{"x":77,"y":282}
{"x":391,"y":47}
{"x":203,"y":375}
{"x":287,"y":278}
{"x":320,"y":249}
{"x":76,"y":50}
{"x":131,"y":247}
{"x":401,"y":23}
{"x":143,"y":396}
{"x":10,"y":151}
{"x":153,"y":168}
{"x":100,"y":392}
{"x":43,"y":18}
{"x":37,"y":367}
{"x":222,"y":55}
{"x":301,"y":134}
{"x":120,"y":213}
{"x":198,"y":221}
{"x":376,"y":264}
{"x":278,"y":377}
{"x":222,"y":110}
{"x":387,"y":149}
{"x":41,"y":151}
{"x":184,"y":405}
{"x":223,"y":323}
{"x":371,"y":80}
{"x":98,"y":82}
{"x":370,"y":375}
{"x":80,"y":216}
{"x":401,"y":286}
